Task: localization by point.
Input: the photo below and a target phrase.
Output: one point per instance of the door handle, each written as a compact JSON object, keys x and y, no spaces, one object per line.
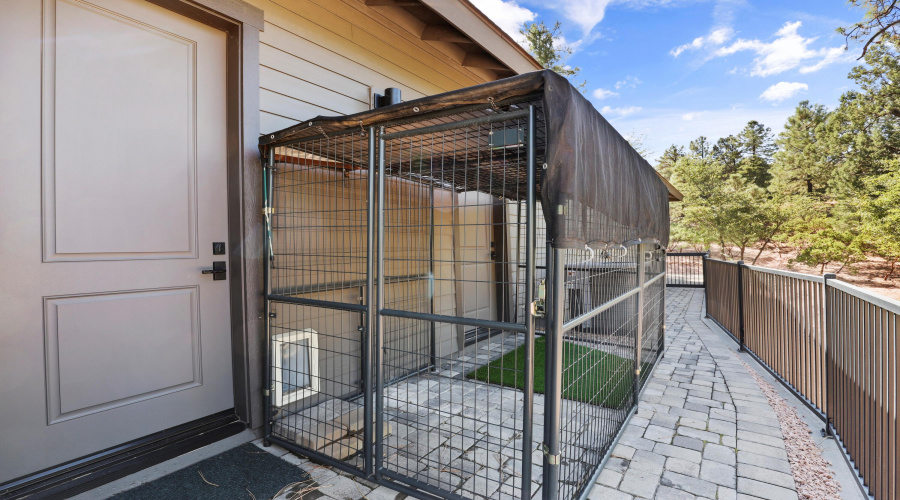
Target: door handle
{"x":218,"y":270}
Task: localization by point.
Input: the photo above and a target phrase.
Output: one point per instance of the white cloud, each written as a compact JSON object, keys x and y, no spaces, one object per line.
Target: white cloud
{"x":629,"y":81}
{"x":691,"y":116}
{"x":508,"y":14}
{"x":787,"y":51}
{"x":620,"y":112}
{"x":717,"y":37}
{"x":832,"y":55}
{"x":604,"y":93}
{"x":586,"y":14}
{"x":783,"y":90}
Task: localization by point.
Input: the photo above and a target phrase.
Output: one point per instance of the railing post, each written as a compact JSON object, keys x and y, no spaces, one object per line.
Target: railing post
{"x":740,"y":299}
{"x":706,"y":284}
{"x":827,"y":324}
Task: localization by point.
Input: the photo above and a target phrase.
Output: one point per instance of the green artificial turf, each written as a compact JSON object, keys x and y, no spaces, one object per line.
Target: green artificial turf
{"x":591,"y":375}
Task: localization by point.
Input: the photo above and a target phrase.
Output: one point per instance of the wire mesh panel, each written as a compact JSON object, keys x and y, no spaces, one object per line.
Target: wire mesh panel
{"x":453,"y":416}
{"x":317,"y":280}
{"x":598,"y":359}
{"x":653,"y":324}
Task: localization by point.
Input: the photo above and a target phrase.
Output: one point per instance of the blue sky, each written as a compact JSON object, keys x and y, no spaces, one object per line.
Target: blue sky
{"x":672,"y":70}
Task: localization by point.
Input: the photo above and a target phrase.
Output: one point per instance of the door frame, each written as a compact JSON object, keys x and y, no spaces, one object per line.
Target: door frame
{"x":241,"y":23}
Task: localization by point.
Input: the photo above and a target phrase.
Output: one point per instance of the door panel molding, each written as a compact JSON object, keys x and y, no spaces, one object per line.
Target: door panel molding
{"x":135,"y":214}
{"x":148,"y":307}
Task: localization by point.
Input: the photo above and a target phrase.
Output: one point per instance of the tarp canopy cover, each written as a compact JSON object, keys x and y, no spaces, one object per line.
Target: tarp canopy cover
{"x":596,"y":190}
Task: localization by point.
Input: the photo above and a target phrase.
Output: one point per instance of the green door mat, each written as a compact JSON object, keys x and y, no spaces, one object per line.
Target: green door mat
{"x":245,"y":472}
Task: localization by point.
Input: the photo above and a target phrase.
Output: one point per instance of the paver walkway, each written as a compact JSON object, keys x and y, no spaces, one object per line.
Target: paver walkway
{"x":703,"y":429}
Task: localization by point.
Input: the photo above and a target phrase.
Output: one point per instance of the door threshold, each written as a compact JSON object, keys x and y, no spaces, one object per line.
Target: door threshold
{"x":82,"y":474}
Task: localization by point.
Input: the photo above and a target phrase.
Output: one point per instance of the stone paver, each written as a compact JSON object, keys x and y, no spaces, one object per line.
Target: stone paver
{"x":704,"y":413}
{"x":703,"y":430}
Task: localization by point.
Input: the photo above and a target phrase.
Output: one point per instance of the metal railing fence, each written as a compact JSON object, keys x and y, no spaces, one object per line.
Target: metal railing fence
{"x":832,"y":344}
{"x":685,"y":269}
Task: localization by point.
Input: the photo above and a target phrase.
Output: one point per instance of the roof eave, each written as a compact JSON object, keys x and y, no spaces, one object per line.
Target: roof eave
{"x":674,"y":193}
{"x":470,"y":20}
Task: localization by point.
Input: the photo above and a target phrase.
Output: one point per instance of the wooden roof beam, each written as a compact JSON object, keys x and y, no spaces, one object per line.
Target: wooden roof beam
{"x":444,"y":33}
{"x":393,"y":3}
{"x":483,"y":61}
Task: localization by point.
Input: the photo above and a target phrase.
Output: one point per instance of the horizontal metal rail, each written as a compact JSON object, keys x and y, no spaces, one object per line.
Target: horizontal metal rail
{"x":454,"y":320}
{"x":786,"y":274}
{"x":327,"y":304}
{"x":443,"y":127}
{"x":344,"y":285}
{"x":574,"y":322}
{"x":877,"y":300}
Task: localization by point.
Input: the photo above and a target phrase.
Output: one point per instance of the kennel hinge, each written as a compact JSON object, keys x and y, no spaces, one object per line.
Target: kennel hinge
{"x":551,"y":459}
{"x":537,"y":307}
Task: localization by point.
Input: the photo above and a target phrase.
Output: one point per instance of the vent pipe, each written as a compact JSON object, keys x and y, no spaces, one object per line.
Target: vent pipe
{"x":391,"y":96}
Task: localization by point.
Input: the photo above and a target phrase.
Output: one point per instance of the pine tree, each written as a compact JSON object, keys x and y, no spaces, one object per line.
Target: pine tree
{"x":757,"y":140}
{"x":542,"y":44}
{"x":729,"y":151}
{"x":802,"y":164}
{"x":700,"y":147}
{"x":666,"y":162}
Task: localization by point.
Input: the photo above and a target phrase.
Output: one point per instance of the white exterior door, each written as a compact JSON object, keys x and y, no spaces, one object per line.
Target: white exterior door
{"x":112,"y":193}
{"x":474,"y":237}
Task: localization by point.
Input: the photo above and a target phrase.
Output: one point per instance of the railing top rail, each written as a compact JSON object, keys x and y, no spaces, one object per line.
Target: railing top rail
{"x":686,"y":254}
{"x":788,"y":274}
{"x":718,"y":261}
{"x":873,"y":298}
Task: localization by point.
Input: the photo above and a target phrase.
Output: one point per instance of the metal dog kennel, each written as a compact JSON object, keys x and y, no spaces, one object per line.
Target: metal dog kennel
{"x":464,"y":292}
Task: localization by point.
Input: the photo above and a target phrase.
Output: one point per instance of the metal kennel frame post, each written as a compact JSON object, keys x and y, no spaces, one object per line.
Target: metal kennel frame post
{"x":371,"y":317}
{"x":530,"y":241}
{"x":556,"y":311}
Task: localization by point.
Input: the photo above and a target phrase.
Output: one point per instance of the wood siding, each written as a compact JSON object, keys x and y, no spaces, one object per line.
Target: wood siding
{"x":326,"y":57}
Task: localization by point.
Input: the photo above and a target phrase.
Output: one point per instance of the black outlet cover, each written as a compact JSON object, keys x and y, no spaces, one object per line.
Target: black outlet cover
{"x":219,"y":248}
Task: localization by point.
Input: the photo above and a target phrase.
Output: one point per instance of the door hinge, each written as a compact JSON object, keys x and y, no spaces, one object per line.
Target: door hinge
{"x":537,"y":307}
{"x":551,"y":459}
